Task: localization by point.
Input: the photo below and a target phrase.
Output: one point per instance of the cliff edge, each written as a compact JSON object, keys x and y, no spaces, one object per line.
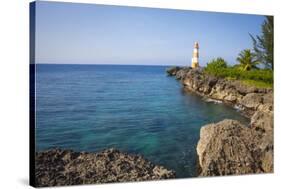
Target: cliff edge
{"x":229,"y":147}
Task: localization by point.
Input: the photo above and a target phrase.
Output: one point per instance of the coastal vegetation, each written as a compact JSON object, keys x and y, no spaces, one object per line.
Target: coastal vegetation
{"x":247,"y":60}
{"x":253,"y":67}
{"x":254,"y":77}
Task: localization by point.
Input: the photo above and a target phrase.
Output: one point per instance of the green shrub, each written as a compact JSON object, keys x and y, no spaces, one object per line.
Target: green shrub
{"x":218,"y":67}
{"x":217,"y":63}
{"x":258,"y":75}
{"x":215,"y":67}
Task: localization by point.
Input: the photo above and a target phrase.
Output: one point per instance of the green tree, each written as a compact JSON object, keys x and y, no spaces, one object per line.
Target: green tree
{"x":217,"y":63}
{"x":263,"y":44}
{"x":247,"y":60}
{"x":216,"y":67}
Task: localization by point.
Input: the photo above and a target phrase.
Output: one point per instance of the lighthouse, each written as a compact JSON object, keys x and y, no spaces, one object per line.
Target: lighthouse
{"x":195,"y":56}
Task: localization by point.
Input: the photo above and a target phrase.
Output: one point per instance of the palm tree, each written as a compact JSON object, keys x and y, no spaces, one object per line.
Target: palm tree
{"x":247,"y":60}
{"x":263,"y":43}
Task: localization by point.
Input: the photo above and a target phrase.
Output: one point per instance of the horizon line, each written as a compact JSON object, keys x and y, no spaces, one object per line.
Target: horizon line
{"x":109,"y":64}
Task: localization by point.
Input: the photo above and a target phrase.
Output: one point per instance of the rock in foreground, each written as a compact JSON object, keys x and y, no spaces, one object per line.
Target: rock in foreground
{"x":230,"y":148}
{"x":65,"y":167}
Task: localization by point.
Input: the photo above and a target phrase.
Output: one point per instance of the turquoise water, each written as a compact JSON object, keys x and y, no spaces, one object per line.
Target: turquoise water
{"x":137,"y":109}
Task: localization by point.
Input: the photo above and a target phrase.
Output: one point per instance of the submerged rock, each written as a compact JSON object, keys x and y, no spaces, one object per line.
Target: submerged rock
{"x":65,"y":167}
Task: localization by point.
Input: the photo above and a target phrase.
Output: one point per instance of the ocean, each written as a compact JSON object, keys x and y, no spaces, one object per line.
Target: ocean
{"x":136,"y":109}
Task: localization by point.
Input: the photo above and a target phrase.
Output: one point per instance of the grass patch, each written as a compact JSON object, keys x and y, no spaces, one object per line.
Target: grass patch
{"x":258,"y":84}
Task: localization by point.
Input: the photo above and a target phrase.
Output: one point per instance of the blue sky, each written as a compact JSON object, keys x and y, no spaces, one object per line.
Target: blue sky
{"x":75,"y":33}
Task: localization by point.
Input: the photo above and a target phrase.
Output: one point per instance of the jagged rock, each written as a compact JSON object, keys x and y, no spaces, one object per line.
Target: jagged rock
{"x":232,"y":92}
{"x":252,"y":100}
{"x":211,"y":81}
{"x":262,"y":121}
{"x":218,"y":94}
{"x":160,"y":171}
{"x":268,"y":98}
{"x":230,"y":148}
{"x":173,"y":70}
{"x":230,"y":97}
{"x":243,"y":89}
{"x":267,"y":159}
{"x":193,"y":79}
{"x":181,"y":73}
{"x":265,"y":107}
{"x":65,"y":167}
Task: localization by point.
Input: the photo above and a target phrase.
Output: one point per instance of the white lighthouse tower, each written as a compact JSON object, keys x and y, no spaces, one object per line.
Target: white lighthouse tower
{"x":195,"y":56}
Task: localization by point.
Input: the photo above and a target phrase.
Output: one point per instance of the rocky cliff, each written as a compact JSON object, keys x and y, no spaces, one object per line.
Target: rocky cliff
{"x":247,"y":99}
{"x":228,"y":147}
{"x":65,"y":167}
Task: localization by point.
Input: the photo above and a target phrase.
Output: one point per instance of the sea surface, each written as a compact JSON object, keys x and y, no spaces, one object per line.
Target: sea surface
{"x":136,"y":109}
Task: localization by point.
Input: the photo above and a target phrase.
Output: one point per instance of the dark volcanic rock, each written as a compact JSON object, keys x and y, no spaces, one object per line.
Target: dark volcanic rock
{"x":65,"y":167}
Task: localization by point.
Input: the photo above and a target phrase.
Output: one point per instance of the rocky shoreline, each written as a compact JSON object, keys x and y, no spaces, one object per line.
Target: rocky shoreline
{"x":58,"y":167}
{"x":224,"y":148}
{"x":229,"y":147}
